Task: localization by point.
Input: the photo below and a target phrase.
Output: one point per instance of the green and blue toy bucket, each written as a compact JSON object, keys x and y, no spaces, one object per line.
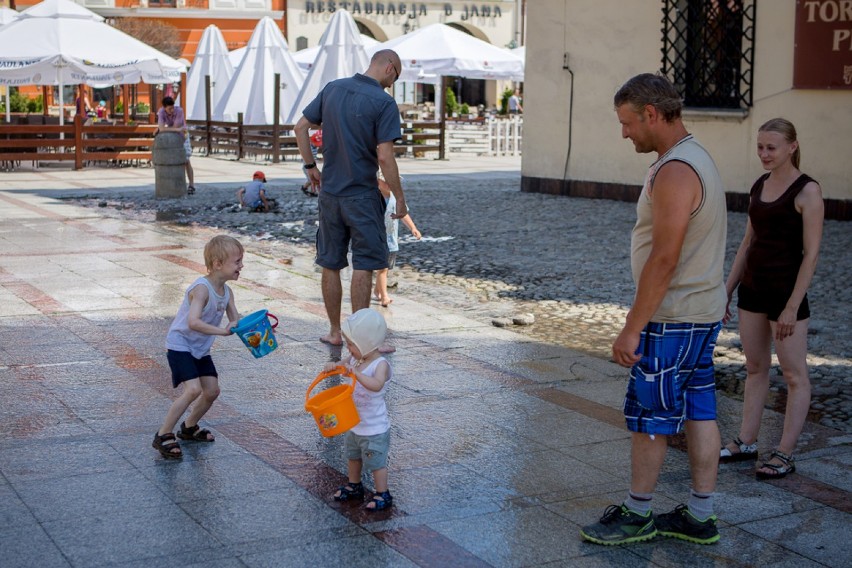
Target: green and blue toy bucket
{"x":258,"y":333}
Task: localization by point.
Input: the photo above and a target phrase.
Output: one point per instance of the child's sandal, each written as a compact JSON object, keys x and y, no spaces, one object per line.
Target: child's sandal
{"x":195,"y":434}
{"x":166,"y":445}
{"x":380,"y":502}
{"x":349,"y":492}
{"x":190,"y":190}
{"x":788,"y":465}
{"x":745,"y":452}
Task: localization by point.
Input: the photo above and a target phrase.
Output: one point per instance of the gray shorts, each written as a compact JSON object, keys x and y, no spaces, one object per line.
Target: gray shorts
{"x":373,"y":450}
{"x":391,"y":260}
{"x":359,"y":219}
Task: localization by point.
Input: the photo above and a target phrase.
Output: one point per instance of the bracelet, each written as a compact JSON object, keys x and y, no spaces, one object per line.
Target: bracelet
{"x":310,"y":166}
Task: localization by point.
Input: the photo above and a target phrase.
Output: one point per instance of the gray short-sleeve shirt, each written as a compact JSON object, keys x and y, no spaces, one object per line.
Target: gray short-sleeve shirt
{"x":356,"y":115}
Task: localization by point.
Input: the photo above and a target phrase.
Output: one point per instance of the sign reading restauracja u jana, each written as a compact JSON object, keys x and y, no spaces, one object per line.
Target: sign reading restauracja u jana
{"x":412,"y":9}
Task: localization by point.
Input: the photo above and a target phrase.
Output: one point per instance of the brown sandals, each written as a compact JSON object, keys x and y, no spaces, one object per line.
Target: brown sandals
{"x":166,"y":444}
{"x":195,"y":434}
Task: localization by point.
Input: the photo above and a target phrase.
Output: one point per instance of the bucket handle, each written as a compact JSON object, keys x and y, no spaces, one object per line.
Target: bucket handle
{"x":274,"y":325}
{"x":338,"y":370}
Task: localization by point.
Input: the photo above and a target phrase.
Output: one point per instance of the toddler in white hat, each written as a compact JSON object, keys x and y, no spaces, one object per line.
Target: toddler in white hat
{"x":367,"y":444}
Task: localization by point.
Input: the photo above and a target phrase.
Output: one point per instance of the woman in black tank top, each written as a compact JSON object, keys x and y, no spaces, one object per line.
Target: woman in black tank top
{"x":772,"y":271}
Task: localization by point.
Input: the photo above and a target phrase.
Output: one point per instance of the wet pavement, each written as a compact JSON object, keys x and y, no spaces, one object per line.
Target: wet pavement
{"x":504,"y":440}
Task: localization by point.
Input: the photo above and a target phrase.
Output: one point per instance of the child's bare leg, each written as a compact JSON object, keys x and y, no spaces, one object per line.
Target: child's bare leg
{"x":353,"y":468}
{"x":191,"y":391}
{"x":209,"y":394}
{"x":380,"y":479}
{"x":381,"y":291}
{"x":353,"y":488}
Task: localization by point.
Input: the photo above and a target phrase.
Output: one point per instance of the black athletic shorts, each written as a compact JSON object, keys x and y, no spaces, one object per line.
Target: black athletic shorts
{"x":769,"y":303}
{"x":185,"y":367}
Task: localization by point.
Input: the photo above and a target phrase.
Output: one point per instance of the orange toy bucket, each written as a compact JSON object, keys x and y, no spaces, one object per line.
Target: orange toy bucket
{"x":333,"y":408}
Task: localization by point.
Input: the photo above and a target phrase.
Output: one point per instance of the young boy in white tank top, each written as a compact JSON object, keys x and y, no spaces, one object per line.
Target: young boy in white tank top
{"x":189,"y":340}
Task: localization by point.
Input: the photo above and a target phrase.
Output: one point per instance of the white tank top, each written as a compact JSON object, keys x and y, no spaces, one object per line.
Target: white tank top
{"x":696,"y":292}
{"x":181,"y":338}
{"x":371,"y":405}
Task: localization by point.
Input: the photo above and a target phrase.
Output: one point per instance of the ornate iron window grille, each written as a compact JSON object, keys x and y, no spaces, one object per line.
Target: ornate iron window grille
{"x":708,"y":51}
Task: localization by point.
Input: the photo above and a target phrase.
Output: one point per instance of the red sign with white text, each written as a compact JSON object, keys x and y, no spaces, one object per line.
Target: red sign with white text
{"x":823,"y":49}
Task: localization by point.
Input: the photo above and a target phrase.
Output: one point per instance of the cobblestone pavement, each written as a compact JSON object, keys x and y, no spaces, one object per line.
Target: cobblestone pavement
{"x":495,"y":252}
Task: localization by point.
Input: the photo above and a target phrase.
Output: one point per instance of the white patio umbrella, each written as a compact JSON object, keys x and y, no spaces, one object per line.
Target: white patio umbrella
{"x":251,"y":88}
{"x":236,"y":56}
{"x":7,"y":15}
{"x":211,"y":59}
{"x":439,"y":49}
{"x":306,"y":57}
{"x":341,"y":54}
{"x":59,"y":42}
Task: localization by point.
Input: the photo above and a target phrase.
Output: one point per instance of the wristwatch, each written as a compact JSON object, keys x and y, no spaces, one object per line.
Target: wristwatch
{"x":310,"y":166}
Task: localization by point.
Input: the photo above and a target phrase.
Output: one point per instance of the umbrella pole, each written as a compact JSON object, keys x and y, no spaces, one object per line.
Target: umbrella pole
{"x":61,"y":109}
{"x":61,"y":101}
{"x":443,"y":99}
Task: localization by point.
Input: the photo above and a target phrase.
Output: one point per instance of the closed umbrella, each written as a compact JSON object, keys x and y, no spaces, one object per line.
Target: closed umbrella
{"x":251,"y":90}
{"x":341,"y":54}
{"x":211,"y":60}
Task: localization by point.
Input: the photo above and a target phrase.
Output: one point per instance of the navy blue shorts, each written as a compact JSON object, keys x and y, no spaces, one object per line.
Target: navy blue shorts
{"x":185,"y":367}
{"x":675,"y":380}
{"x":359,"y":219}
{"x":769,"y":303}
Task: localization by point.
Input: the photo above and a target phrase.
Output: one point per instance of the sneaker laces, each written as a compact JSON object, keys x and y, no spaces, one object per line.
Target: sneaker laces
{"x":611,"y":513}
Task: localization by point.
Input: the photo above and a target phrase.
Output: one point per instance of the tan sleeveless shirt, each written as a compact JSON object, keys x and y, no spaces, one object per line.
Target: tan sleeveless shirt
{"x":696,"y":293}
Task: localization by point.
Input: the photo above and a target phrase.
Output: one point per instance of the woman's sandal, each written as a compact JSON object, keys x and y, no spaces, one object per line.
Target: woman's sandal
{"x":349,"y":492}
{"x":788,"y":465}
{"x":166,"y":444}
{"x":196,"y":434}
{"x":746,"y":452}
{"x":380,"y":502}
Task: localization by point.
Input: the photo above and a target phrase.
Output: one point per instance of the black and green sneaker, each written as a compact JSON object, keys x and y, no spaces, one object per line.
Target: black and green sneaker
{"x":620,"y":525}
{"x":681,"y":524}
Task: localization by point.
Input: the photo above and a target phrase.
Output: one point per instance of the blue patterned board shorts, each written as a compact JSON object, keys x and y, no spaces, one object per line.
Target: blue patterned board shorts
{"x":674,"y":381}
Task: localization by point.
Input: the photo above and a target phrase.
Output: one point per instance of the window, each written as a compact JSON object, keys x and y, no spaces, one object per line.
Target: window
{"x":301,"y":43}
{"x":708,"y":51}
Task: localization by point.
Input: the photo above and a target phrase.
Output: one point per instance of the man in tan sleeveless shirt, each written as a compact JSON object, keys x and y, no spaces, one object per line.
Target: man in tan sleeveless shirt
{"x":677,"y":257}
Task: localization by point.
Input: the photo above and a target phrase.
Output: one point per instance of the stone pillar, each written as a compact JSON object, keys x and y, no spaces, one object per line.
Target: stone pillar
{"x":169,"y":159}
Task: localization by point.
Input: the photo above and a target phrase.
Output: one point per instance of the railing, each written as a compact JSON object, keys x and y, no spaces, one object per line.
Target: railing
{"x":486,"y":136}
{"x":104,"y":141}
{"x":276,"y":142}
{"x":77,"y":142}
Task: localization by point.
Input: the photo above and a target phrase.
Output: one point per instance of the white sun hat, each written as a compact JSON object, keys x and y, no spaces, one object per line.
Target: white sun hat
{"x":366,"y":329}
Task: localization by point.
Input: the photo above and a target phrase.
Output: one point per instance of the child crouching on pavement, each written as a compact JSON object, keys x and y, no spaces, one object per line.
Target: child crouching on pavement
{"x":367,"y":444}
{"x":253,"y":195}
{"x":189,"y":339}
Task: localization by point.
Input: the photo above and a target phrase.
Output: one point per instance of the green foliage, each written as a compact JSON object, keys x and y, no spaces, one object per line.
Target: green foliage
{"x":142,"y":108}
{"x":119,"y":107}
{"x":452,"y":103}
{"x":504,"y":100}
{"x":22,"y":103}
{"x":465,"y":109}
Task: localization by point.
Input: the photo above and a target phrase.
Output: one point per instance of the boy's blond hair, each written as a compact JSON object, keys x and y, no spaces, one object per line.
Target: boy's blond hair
{"x":219,"y":248}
